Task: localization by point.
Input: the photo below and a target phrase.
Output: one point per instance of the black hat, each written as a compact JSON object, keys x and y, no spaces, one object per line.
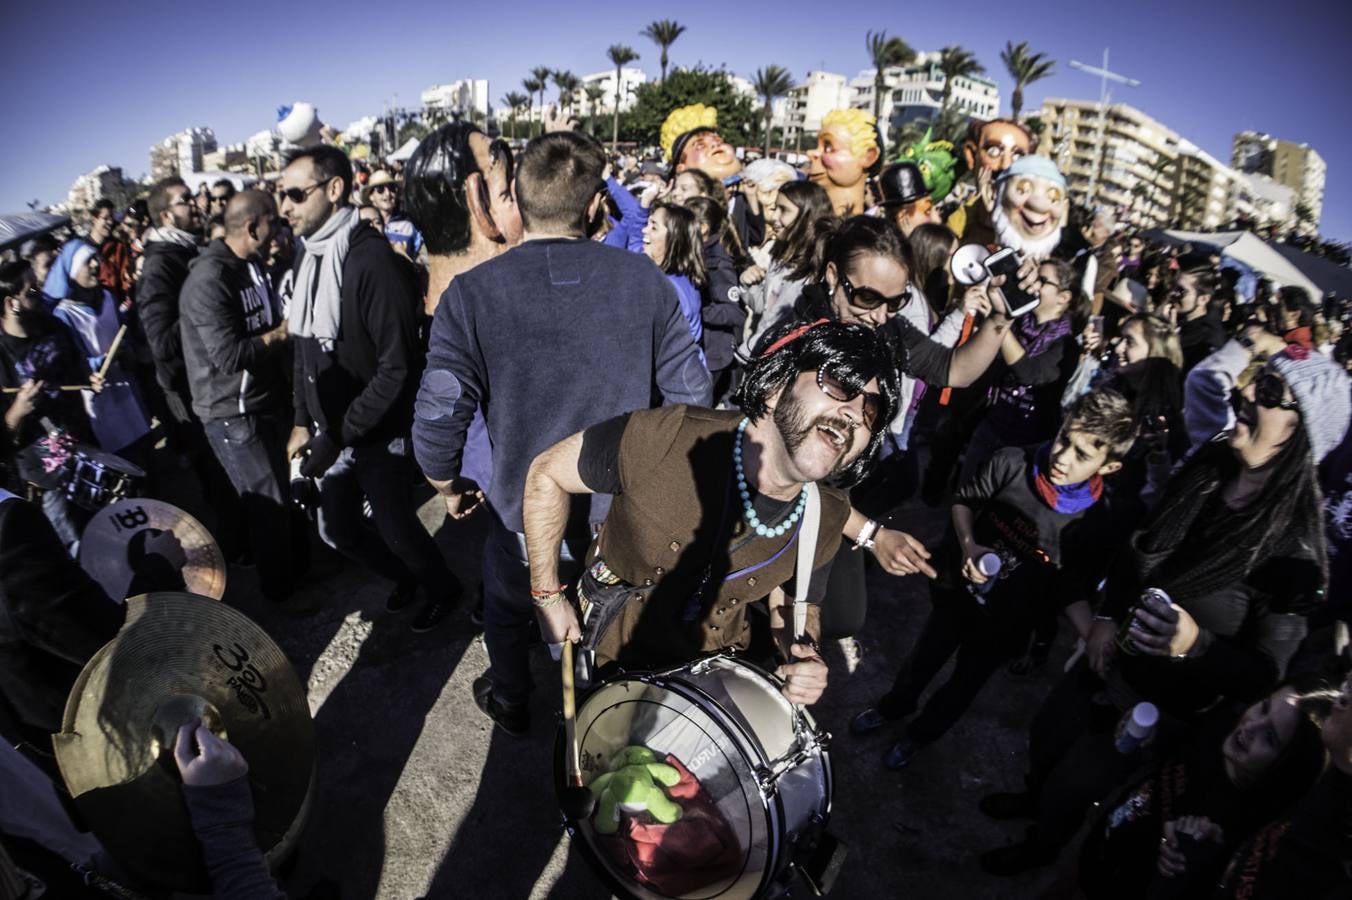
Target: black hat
{"x":902,"y":183}
{"x":678,"y":146}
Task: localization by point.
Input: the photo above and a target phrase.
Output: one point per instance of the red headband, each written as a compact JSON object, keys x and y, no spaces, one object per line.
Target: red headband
{"x":791,"y":337}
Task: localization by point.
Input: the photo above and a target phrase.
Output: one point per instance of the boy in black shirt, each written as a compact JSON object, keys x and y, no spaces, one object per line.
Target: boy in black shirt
{"x":1038,"y":511}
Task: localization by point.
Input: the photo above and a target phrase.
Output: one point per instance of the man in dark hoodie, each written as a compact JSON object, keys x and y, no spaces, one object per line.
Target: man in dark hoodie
{"x":232,"y":331}
{"x":353,"y":316}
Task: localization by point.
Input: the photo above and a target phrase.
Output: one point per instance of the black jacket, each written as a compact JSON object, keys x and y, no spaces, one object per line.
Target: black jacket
{"x":157,"y":298}
{"x":722,"y":311}
{"x":362,"y":392}
{"x":53,"y":618}
{"x":226,"y":306}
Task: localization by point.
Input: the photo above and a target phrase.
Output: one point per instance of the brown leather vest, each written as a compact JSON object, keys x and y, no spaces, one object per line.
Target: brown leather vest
{"x":670,"y":529}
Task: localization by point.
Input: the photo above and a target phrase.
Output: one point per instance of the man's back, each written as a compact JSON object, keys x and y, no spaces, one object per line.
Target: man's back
{"x":550,"y":337}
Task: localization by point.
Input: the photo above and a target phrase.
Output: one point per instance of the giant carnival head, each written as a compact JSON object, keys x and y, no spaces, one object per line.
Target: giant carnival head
{"x":995,"y":145}
{"x":690,"y":140}
{"x":847,"y":153}
{"x":1030,"y":206}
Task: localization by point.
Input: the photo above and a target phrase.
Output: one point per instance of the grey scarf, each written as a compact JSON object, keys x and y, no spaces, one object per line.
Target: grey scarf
{"x":315,"y":305}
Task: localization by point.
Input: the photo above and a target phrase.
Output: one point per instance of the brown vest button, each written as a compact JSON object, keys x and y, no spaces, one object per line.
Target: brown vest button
{"x":734,"y":601}
{"x":648,"y":582}
{"x":675,"y":545}
{"x":751,"y":581}
{"x":714,"y":627}
{"x":660,"y":571}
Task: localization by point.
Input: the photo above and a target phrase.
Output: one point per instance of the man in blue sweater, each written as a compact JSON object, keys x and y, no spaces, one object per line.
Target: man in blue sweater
{"x":568,"y":332}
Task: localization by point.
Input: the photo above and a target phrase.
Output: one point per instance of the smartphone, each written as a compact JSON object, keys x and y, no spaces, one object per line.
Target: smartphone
{"x":1006,"y":262}
{"x":1096,"y":324}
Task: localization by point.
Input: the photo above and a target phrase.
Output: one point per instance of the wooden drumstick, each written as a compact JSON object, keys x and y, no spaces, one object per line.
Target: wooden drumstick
{"x":64,"y":387}
{"x":112,"y":351}
{"x":575,"y":799}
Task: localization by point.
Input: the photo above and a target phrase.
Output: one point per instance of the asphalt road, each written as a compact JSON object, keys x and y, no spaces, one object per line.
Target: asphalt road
{"x":418,"y":796}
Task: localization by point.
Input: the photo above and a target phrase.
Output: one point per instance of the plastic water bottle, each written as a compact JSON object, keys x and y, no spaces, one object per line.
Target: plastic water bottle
{"x":1137,"y":728}
{"x":989,"y":565}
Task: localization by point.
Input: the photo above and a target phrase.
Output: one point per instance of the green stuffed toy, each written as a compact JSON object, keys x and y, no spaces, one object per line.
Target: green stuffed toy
{"x":937,"y":164}
{"x":634,"y":785}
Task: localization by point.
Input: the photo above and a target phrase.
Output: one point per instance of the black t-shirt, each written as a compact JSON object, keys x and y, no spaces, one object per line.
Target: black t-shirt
{"x":598,"y":466}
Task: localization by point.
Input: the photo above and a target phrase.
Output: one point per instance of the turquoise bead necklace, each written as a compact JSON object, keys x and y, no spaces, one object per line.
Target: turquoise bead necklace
{"x":748,"y":509}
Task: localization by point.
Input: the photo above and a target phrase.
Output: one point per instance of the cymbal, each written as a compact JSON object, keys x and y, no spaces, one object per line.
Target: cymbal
{"x":121,"y":530}
{"x":180,"y":657}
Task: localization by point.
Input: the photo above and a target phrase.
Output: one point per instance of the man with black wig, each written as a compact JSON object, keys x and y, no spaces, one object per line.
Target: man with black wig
{"x":708,"y":505}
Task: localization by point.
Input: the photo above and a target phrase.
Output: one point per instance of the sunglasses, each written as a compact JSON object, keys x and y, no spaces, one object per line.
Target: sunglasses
{"x":868,"y":298}
{"x":216,"y":199}
{"x":384,"y":188}
{"x":838,"y":390}
{"x":298,"y":195}
{"x":1270,"y":391}
{"x":185,"y":200}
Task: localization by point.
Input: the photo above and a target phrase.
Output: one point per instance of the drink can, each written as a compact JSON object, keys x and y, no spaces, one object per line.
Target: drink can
{"x":1149,"y":597}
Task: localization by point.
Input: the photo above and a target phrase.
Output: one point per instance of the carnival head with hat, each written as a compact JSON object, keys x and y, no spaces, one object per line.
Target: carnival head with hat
{"x":906,"y":197}
{"x":382,"y":191}
{"x":847,"y":153}
{"x":1030,"y":206}
{"x":802,"y":376}
{"x":690,"y":140}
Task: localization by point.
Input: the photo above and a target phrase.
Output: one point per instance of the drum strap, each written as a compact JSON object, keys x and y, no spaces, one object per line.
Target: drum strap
{"x":807,"y":550}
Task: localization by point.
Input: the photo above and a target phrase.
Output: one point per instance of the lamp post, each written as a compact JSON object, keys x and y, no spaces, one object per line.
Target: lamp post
{"x":1105,"y":75}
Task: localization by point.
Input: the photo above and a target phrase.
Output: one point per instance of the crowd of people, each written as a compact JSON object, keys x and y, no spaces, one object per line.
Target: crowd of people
{"x":647,"y":372}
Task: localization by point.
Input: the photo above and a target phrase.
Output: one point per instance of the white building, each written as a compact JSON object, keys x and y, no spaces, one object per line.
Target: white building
{"x":1265,"y":200}
{"x":915,"y":92}
{"x":630,"y":79}
{"x":181,"y":153}
{"x":92,"y":187}
{"x":467,"y":97}
{"x":819,"y":93}
{"x":743,"y":86}
{"x":1298,"y":166}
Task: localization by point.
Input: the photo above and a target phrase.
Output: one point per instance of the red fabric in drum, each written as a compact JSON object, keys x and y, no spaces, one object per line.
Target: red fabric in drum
{"x":695,"y":851}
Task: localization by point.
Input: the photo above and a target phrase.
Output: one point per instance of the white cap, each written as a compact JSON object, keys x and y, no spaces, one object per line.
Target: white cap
{"x":1144,"y":717}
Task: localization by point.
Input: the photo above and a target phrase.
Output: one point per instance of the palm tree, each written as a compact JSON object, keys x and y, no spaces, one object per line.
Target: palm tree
{"x":514,"y":101}
{"x":1024,"y":68}
{"x":567,"y":83}
{"x":594,"y":93}
{"x":886,"y":53}
{"x":956,"y":62}
{"x":620,"y":56}
{"x":663,"y":33}
{"x":533,"y":86}
{"x":541,"y":75}
{"x":771,"y":82}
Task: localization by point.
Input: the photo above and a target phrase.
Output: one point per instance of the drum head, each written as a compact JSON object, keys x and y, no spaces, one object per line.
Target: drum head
{"x":121,"y":531}
{"x":727,"y":839}
{"x":86,"y":455}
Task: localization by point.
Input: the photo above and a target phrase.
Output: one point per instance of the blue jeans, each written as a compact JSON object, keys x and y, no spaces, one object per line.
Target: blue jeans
{"x":251,"y":449}
{"x":508,"y":610}
{"x":398,"y":547}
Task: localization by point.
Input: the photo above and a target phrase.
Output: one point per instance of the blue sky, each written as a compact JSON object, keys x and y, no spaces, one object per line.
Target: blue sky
{"x":99,"y":84}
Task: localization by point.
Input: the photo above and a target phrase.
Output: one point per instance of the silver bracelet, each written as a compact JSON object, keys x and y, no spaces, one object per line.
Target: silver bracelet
{"x":867,"y":535}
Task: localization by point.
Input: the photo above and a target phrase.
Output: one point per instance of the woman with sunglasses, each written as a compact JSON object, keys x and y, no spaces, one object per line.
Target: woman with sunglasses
{"x":1237,"y":544}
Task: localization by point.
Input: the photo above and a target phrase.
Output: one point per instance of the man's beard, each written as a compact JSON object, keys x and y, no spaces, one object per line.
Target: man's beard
{"x":794,"y":429}
{"x":1008,"y":236}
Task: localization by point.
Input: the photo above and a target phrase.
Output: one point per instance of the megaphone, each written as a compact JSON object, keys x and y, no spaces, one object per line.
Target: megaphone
{"x":967,"y":265}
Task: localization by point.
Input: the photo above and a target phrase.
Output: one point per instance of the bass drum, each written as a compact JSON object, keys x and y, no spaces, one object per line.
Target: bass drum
{"x":752,"y":778}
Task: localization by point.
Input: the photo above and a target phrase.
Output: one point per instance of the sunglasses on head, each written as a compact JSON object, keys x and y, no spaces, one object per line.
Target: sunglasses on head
{"x":298,"y":195}
{"x":833,"y":387}
{"x":1270,"y":391}
{"x":868,"y":298}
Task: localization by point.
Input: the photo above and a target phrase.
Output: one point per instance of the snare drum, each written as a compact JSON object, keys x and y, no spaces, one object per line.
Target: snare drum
{"x":755,"y":781}
{"x":97,"y":479}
